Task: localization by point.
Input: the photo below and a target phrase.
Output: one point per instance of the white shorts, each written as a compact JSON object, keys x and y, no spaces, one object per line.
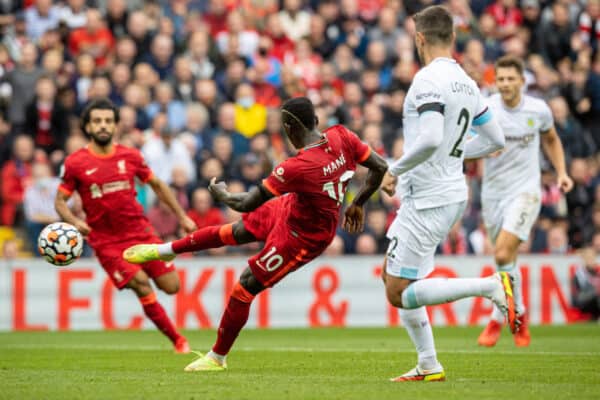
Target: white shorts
{"x":515,"y":214}
{"x":414,"y":236}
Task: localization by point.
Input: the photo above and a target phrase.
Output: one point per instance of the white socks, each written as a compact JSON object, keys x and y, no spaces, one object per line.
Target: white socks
{"x":428,"y":292}
{"x":515,"y":273}
{"x":165,"y":249}
{"x":216,"y":356}
{"x":417,"y":324}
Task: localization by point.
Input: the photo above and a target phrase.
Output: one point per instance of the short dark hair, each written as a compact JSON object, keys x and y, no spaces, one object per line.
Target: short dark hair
{"x":301,"y":111}
{"x":510,"y":62}
{"x":436,"y":24}
{"x":98,"y":104}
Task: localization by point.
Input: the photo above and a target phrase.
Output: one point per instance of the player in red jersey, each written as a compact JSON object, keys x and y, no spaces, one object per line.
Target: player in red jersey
{"x":295,"y":212}
{"x":103,"y":174}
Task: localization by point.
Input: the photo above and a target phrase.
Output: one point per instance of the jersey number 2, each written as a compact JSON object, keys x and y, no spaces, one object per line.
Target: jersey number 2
{"x":464,"y":115}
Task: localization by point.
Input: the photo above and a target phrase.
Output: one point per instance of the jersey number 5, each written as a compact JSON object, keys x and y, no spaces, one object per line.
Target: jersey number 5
{"x":464,"y":115}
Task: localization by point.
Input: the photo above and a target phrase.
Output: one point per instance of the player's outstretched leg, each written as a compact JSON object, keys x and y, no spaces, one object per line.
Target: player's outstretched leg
{"x":428,"y":368}
{"x":140,"y":284}
{"x":206,"y":238}
{"x":233,"y":320}
{"x":425,"y":292}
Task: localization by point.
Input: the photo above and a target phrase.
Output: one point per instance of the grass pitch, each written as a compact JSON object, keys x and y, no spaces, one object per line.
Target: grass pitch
{"x":562,"y":363}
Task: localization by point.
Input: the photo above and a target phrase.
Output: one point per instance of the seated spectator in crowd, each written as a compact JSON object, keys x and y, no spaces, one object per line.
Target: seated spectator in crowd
{"x":175,"y":109}
{"x":376,"y":226}
{"x":198,"y":49}
{"x":16,"y":177}
{"x":164,"y":221}
{"x":366,"y":244}
{"x":165,"y":152}
{"x":251,"y":170}
{"x":161,"y":56}
{"x":38,"y":202}
{"x":222,"y":149}
{"x":40,"y":17}
{"x":94,"y":38}
{"x":335,"y":248}
{"x":250,"y":116}
{"x":557,"y":240}
{"x":227,"y":126}
{"x":585,"y":284}
{"x":203,"y":212}
{"x":47,"y":121}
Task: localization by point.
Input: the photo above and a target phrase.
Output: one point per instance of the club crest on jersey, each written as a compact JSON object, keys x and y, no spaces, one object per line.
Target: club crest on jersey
{"x":278,"y":174}
{"x":122,"y":167}
{"x":334,"y":165}
{"x":530,"y":122}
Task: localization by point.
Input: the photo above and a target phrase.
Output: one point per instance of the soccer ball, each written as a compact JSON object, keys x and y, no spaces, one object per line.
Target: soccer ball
{"x":60,"y":243}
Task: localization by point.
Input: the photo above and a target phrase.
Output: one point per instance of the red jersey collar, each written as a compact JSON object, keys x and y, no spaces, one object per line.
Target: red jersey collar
{"x":98,"y":155}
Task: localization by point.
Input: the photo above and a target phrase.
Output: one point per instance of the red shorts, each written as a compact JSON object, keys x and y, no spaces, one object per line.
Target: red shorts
{"x":283,"y":251}
{"x":119,"y":270}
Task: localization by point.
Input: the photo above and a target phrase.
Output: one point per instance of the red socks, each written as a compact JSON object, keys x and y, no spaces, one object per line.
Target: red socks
{"x":233,"y":320}
{"x":158,"y":315}
{"x":210,"y":237}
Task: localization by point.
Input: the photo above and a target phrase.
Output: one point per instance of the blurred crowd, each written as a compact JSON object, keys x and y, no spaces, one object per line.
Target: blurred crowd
{"x":199,"y":82}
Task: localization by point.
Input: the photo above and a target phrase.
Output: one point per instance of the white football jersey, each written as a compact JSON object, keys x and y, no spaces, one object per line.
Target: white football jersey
{"x":517,"y":169}
{"x":441,"y":86}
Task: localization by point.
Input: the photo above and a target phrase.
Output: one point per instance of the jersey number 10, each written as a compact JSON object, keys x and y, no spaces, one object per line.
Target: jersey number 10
{"x":329,"y":187}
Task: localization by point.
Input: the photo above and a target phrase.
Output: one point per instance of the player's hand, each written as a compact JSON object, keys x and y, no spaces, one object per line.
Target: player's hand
{"x":388,"y":184}
{"x":218,"y":189}
{"x":82,"y":227}
{"x":188,"y":224}
{"x":565,"y":183}
{"x":354,"y":219}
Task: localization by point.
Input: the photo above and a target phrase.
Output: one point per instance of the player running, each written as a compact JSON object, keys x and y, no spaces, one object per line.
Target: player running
{"x":511,"y":193}
{"x":103,"y":174}
{"x":440,"y":107}
{"x":296,"y":226}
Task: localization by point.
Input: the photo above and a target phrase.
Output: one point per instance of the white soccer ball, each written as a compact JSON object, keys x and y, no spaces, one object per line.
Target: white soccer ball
{"x":60,"y":243}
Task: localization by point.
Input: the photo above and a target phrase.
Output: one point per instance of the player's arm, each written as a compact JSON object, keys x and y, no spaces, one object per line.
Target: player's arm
{"x":240,"y":202}
{"x":164,"y":193}
{"x":62,"y":208}
{"x":489,"y":138}
{"x":429,"y":138}
{"x":554,"y":151}
{"x":354,"y":215}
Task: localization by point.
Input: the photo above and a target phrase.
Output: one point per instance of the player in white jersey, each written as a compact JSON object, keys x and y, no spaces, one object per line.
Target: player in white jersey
{"x":440,"y":107}
{"x":511,"y":193}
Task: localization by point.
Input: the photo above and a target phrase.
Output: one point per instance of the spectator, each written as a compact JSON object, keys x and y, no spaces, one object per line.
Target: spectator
{"x":206,"y":93}
{"x":116,"y":17}
{"x":38,"y":201}
{"x":161,"y":56}
{"x":579,"y":201}
{"x":589,"y":24}
{"x":137,"y":29}
{"x":247,"y":39}
{"x":294,"y":20}
{"x":387,"y":31}
{"x":47,"y":121}
{"x":508,"y":17}
{"x":366,"y":244}
{"x":376,"y":225}
{"x":555,"y":35}
{"x":22,"y":82}
{"x":165,"y":152}
{"x":40,"y":17}
{"x":576,"y":142}
{"x":227,"y":126}
{"x":16,"y":177}
{"x":94,"y":39}
{"x":456,"y":242}
{"x":557,"y":242}
{"x":73,"y":14}
{"x":165,"y":103}
{"x":251,"y":171}
{"x":163,"y":220}
{"x":250,"y":116}
{"x":183,"y":80}
{"x":203,"y":212}
{"x":585,"y":285}
{"x":222,"y":148}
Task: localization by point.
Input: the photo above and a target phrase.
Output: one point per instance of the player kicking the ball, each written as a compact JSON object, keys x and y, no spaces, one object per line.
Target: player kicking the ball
{"x":296,"y":227}
{"x":441,"y":106}
{"x":103,"y":174}
{"x":511,"y":193}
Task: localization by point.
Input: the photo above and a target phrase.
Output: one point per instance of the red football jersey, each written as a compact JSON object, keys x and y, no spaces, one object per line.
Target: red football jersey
{"x":316,"y":180}
{"x":107,"y":189}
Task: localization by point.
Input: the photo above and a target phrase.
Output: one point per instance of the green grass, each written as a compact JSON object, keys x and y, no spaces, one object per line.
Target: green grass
{"x":562,"y":363}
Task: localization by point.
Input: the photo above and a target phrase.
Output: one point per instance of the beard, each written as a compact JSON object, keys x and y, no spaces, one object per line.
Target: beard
{"x":101,"y":141}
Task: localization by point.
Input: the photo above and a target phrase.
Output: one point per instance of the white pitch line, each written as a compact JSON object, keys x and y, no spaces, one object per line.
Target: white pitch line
{"x":294,"y":349}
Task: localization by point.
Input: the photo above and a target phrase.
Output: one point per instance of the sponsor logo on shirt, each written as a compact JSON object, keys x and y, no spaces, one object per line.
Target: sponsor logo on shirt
{"x":523,"y":141}
{"x":426,"y":95}
{"x":110,"y":187}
